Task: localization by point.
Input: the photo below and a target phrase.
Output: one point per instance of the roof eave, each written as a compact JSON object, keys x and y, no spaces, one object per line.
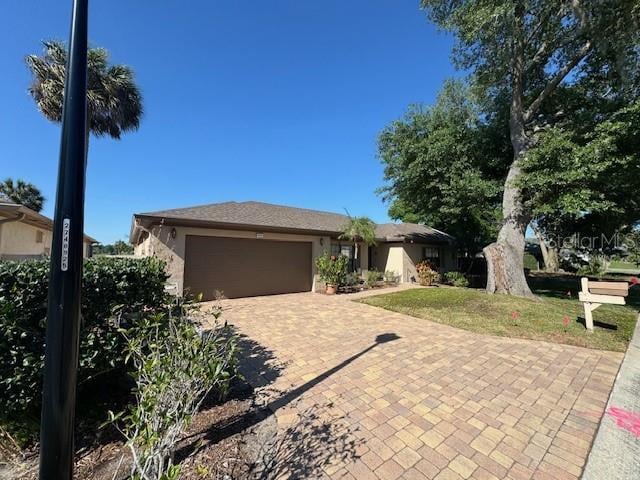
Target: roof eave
{"x":142,"y":222}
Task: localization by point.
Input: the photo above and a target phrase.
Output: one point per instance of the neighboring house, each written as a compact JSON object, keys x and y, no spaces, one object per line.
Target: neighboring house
{"x":26,"y":234}
{"x":246,"y":249}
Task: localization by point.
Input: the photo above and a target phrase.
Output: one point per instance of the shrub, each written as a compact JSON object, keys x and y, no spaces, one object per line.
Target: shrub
{"x":372,"y":278}
{"x":112,"y":289}
{"x":332,"y":269}
{"x":457,"y":279}
{"x":390,"y":277}
{"x":351,"y":279}
{"x":427,"y":274}
{"x":597,"y":267}
{"x":175,"y":368}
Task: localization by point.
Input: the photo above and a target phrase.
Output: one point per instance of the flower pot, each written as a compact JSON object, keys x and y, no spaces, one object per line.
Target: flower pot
{"x":331,"y":289}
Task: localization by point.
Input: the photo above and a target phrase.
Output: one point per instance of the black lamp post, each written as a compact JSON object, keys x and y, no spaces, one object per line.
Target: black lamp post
{"x":63,"y":312}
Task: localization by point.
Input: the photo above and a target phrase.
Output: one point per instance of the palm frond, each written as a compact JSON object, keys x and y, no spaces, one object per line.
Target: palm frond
{"x":114,"y":100}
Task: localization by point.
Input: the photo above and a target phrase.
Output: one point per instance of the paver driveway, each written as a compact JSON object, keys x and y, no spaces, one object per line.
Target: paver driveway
{"x":422,"y":401}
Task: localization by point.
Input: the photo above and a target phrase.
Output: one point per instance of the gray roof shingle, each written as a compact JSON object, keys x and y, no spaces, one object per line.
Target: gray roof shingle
{"x":279,"y":216}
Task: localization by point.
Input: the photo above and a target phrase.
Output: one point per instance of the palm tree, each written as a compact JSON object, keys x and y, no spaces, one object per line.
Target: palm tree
{"x":24,"y":193}
{"x":114,"y":103}
{"x":359,"y":229}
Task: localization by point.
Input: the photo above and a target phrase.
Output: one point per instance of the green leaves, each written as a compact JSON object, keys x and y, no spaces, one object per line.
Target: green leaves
{"x":360,"y":229}
{"x":583,"y":179}
{"x":114,"y":292}
{"x":331,"y":268}
{"x":444,"y":166}
{"x":23,"y":193}
{"x":175,"y":367}
{"x":114,"y":101}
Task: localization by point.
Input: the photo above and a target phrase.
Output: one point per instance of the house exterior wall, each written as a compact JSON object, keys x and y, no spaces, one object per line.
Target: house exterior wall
{"x":401,"y":258}
{"x":160,"y":242}
{"x":363,"y":252}
{"x":413,"y":254}
{"x":18,"y":241}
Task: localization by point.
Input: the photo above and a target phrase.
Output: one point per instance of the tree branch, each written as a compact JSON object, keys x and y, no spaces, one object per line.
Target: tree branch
{"x":555,"y":81}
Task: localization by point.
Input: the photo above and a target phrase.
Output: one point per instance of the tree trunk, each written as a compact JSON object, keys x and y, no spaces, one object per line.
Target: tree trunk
{"x":550,"y":255}
{"x":505,"y":257}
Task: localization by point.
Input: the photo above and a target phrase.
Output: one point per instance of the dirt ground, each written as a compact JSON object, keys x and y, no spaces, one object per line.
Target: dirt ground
{"x":220,"y":444}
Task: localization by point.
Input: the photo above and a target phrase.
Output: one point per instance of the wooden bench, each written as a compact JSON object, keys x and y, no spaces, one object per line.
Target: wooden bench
{"x":594,"y":294}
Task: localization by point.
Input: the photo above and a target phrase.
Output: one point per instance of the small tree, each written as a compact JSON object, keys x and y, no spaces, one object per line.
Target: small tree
{"x":359,"y":229}
{"x":24,"y":193}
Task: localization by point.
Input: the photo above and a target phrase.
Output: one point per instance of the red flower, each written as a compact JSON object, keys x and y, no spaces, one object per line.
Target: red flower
{"x":634,"y":281}
{"x":565,"y":320}
{"x":514,"y":315}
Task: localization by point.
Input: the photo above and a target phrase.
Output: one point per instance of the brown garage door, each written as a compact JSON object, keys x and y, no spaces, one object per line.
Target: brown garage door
{"x":240,"y":267}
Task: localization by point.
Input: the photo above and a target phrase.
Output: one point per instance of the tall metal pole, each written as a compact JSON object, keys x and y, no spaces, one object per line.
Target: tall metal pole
{"x":63,"y":312}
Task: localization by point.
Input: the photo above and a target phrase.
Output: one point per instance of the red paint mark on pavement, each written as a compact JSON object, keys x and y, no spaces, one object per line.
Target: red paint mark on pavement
{"x":626,"y":420}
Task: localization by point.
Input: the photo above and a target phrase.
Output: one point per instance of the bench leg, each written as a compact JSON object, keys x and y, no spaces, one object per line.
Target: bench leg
{"x":588,"y":316}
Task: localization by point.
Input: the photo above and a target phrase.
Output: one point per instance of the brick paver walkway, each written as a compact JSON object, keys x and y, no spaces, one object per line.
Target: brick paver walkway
{"x":435,"y":402}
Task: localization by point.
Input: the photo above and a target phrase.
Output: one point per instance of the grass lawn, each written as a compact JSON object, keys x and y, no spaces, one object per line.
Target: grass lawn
{"x":472,"y":309}
{"x":622,"y":265}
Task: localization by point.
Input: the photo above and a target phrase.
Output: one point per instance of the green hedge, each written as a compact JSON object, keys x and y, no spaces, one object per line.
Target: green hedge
{"x":112,"y":289}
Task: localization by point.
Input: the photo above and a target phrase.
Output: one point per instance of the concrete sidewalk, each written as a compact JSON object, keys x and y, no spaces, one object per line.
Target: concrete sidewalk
{"x":616,"y":449}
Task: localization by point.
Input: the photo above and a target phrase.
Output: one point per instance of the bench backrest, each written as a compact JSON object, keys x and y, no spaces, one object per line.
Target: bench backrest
{"x":616,"y":289}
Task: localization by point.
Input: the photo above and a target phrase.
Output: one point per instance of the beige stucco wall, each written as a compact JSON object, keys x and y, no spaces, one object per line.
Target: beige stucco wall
{"x":413,"y":255}
{"x":401,"y":258}
{"x":159,"y":242}
{"x":18,"y":241}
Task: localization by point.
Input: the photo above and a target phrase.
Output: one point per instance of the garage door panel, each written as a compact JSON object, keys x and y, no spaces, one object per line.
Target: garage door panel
{"x":240,"y":267}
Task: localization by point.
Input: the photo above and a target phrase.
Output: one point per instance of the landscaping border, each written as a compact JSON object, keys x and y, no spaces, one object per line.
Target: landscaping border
{"x":615,"y":452}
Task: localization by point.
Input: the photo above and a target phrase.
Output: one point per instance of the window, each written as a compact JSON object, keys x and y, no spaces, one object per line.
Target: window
{"x":431,"y":255}
{"x":338,"y":249}
{"x":39,"y":236}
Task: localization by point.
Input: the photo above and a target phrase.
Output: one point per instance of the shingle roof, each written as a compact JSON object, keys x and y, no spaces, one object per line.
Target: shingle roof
{"x":11,"y":209}
{"x":260,"y":214}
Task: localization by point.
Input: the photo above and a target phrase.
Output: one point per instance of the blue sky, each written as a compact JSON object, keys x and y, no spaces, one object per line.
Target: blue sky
{"x":278,"y":101}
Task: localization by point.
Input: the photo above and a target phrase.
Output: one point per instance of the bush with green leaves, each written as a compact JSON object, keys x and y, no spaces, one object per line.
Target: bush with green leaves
{"x":112,"y":290}
{"x":390,"y":276}
{"x":332,"y":268}
{"x":596,"y":267}
{"x":372,"y":278}
{"x":457,"y":279}
{"x":175,"y":367}
{"x":352,"y":279}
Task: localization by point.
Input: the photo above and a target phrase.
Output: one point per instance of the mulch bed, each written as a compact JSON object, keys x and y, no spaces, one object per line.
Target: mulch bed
{"x":214,"y":446}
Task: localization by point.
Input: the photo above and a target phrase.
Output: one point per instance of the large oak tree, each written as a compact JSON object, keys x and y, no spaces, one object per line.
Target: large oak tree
{"x":526,"y":51}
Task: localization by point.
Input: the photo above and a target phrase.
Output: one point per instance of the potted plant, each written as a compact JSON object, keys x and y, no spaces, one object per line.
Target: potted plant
{"x":427,"y":274}
{"x":332,"y":270}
